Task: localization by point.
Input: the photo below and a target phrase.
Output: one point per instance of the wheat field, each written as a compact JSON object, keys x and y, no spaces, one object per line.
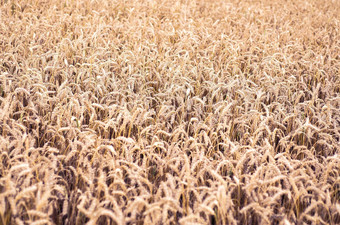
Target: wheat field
{"x":169,"y":112}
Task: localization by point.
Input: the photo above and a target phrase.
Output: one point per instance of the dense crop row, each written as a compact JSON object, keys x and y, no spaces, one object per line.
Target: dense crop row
{"x":169,"y":112}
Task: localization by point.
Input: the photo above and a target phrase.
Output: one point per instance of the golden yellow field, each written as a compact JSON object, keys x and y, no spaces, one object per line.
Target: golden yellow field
{"x":169,"y":112}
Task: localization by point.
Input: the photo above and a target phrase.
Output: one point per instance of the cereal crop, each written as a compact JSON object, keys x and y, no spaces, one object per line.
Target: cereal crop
{"x":169,"y":112}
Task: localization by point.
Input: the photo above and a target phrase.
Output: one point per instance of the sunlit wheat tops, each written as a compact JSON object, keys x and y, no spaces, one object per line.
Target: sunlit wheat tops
{"x":169,"y":112}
